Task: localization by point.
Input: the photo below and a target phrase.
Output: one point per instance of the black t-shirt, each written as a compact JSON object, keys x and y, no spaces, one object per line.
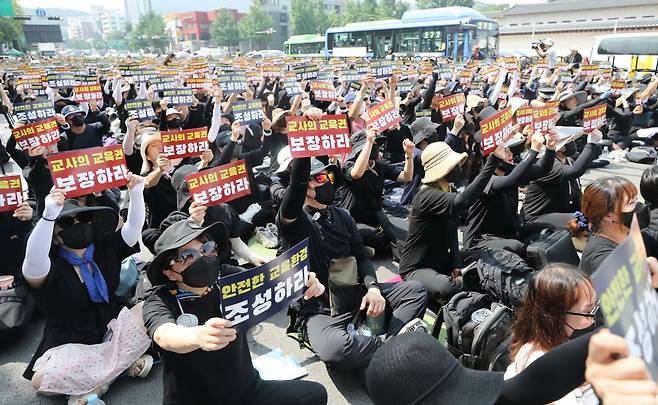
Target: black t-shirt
{"x":363,"y":197}
{"x":224,"y":376}
{"x":71,"y":316}
{"x":394,"y":150}
{"x":90,"y":138}
{"x":223,"y":213}
{"x":596,"y":251}
{"x":161,"y":201}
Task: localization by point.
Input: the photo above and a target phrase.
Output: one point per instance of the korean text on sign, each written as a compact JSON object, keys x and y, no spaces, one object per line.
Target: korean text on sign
{"x":11,"y":192}
{"x":292,"y":88}
{"x":329,"y":135}
{"x":496,"y":130}
{"x":381,"y":68}
{"x":40,"y":133}
{"x":248,"y":112}
{"x":382,"y":116}
{"x":324,"y":91}
{"x":252,"y":296}
{"x":199,"y":83}
{"x":234,"y":82}
{"x":219,"y":184}
{"x":163,"y":83}
{"x":543,"y":118}
{"x":61,"y":80}
{"x":524,"y":115}
{"x":185,"y":143}
{"x":450,"y":106}
{"x":88,"y":92}
{"x":617,"y":86}
{"x":182,"y":97}
{"x":85,"y":171}
{"x":141,"y":109}
{"x":594,"y":117}
{"x":305,"y":72}
{"x":34,"y":111}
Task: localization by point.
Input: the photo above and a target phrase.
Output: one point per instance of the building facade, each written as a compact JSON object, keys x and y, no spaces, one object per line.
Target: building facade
{"x":192,"y":29}
{"x":134,"y":9}
{"x":573,"y":22}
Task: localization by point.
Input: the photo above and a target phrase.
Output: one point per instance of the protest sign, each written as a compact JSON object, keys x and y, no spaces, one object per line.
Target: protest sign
{"x":85,"y":80}
{"x":40,"y":133}
{"x":33,"y":111}
{"x":629,"y":303}
{"x":381,"y":69}
{"x":617,"y":86}
{"x":423,"y":113}
{"x":220,"y":184}
{"x":496,"y":130}
{"x":382,"y":116}
{"x":61,"y":80}
{"x":450,"y":106}
{"x":142,"y":75}
{"x":324,"y":91}
{"x":351,"y":75}
{"x":405,"y":86}
{"x":465,"y":77}
{"x":252,"y":296}
{"x":198,"y":83}
{"x":233,"y":82}
{"x":163,"y":83}
{"x":185,"y":143}
{"x":88,"y":92}
{"x":524,"y":115}
{"x":327,"y":136}
{"x":543,"y":118}
{"x":594,"y":117}
{"x":589,"y":70}
{"x":179,"y":97}
{"x":248,"y":112}
{"x":141,"y":109}
{"x":85,"y":171}
{"x":272,"y":70}
{"x":11,"y":192}
{"x":306,"y":72}
{"x":292,"y":88}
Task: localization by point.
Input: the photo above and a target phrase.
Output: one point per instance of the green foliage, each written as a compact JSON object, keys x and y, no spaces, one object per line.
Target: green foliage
{"x":484,"y":8}
{"x":116,"y":40}
{"x":224,"y":30}
{"x":77,"y":43}
{"x":254,"y":25}
{"x":371,"y":10}
{"x":150,"y":33}
{"x":443,"y":3}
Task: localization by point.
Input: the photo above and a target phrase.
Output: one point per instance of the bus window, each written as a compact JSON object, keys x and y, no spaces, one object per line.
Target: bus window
{"x":486,"y":41}
{"x":432,"y":40}
{"x":640,"y":45}
{"x":408,"y":40}
{"x":382,"y":42}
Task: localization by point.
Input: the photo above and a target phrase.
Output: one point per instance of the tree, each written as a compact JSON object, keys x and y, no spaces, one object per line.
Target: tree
{"x":77,"y":43}
{"x":116,"y":40}
{"x":443,"y":3}
{"x":303,"y":17}
{"x":224,"y":30}
{"x":371,"y":10}
{"x":256,"y":26}
{"x":150,"y":33}
{"x":392,"y":9}
{"x":11,"y":30}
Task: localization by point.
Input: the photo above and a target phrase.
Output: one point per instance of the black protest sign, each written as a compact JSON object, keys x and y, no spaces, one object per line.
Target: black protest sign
{"x":351,"y":75}
{"x":381,"y":69}
{"x":141,"y":109}
{"x":292,"y":88}
{"x":233,"y":82}
{"x":180,"y":97}
{"x":306,"y":72}
{"x":61,"y":80}
{"x":248,"y":112}
{"x":163,"y":83}
{"x":34,"y":110}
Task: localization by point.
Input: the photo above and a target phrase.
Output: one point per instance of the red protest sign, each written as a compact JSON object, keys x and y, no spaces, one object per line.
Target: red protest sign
{"x":88,"y":92}
{"x":543,"y":118}
{"x":40,"y":133}
{"x":324,"y":91}
{"x":465,"y":77}
{"x":185,"y":143}
{"x":496,"y":130}
{"x":450,"y":106}
{"x":617,"y":86}
{"x":594,"y":117}
{"x":11,"y":192}
{"x":85,"y":171}
{"x":382,"y":116}
{"x":327,"y":136}
{"x":219,"y":184}
{"x":524,"y":115}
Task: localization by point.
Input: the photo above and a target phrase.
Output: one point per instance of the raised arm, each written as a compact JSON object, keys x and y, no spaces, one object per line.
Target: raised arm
{"x":361,"y":164}
{"x":295,"y":194}
{"x":471,"y":193}
{"x":132,"y":229}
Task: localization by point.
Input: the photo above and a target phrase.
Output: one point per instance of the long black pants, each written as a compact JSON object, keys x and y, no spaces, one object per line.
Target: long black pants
{"x":288,"y":393}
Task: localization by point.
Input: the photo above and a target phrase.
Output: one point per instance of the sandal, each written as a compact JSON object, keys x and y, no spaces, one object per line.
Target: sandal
{"x":147,"y":363}
{"x":83,"y":399}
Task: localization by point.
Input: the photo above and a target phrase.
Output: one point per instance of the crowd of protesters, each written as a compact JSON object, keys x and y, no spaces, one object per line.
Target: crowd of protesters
{"x":424,"y":193}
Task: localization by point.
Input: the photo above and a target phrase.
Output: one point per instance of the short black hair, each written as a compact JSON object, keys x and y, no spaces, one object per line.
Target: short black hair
{"x":649,"y":186}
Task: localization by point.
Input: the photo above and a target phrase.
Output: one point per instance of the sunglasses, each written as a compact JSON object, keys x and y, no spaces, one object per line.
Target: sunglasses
{"x":324,"y":177}
{"x":68,"y":222}
{"x":208,"y":249}
{"x":590,"y":314}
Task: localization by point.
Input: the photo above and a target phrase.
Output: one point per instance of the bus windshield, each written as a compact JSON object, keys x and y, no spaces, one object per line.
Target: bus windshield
{"x":629,"y":45}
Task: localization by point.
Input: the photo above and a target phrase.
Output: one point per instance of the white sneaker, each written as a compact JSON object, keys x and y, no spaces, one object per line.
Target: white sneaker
{"x":415,"y":325}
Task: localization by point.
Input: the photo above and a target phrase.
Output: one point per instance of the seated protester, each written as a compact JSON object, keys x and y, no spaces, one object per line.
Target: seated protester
{"x":72,"y":265}
{"x":393,"y":149}
{"x":620,"y":119}
{"x":462,"y":139}
{"x":552,"y":199}
{"x":362,"y":193}
{"x":423,"y":129}
{"x":173,"y":119}
{"x":81,"y":135}
{"x":95,"y":114}
{"x":431,"y":251}
{"x":493,"y":221}
{"x":195,"y":117}
{"x":649,"y":192}
{"x":136,"y":131}
{"x":279,"y":137}
{"x":204,"y":360}
{"x":609,"y":204}
{"x":280,"y":178}
{"x":560,"y":304}
{"x":335,"y":247}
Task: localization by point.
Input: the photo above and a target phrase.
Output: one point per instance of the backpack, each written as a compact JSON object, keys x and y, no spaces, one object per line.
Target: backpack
{"x":478,"y":330}
{"x":16,"y":308}
{"x":642,"y":154}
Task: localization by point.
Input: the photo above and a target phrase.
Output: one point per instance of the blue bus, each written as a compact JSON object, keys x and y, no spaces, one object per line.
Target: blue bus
{"x":450,"y":32}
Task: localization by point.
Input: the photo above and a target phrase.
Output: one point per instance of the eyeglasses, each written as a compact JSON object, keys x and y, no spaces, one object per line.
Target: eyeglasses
{"x":591,"y":314}
{"x":68,"y":222}
{"x":208,"y":249}
{"x":324,"y":177}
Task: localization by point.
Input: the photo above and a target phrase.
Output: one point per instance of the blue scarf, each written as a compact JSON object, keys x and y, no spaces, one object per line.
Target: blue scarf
{"x":91,"y":274}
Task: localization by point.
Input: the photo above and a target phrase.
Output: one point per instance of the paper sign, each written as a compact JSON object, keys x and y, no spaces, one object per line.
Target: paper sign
{"x":589,"y":70}
{"x":248,"y":112}
{"x":450,"y":106}
{"x":34,"y":111}
{"x":465,"y":77}
{"x":272,"y":70}
{"x":629,"y":303}
{"x":141,"y":109}
{"x":423,"y":113}
{"x":307,"y":72}
{"x":198,"y":83}
{"x":40,"y":133}
{"x":85,"y":171}
{"x":351,"y":75}
{"x":543,"y":118}
{"x":185,"y":143}
{"x":252,"y":296}
{"x":220,"y":184}
{"x":324,"y":91}
{"x":524,"y":115}
{"x":61,"y":80}
{"x":594,"y":117}
{"x":617,"y":86}
{"x":233,"y":82}
{"x":179,"y":97}
{"x":85,"y":80}
{"x":11,"y":192}
{"x":382,"y":116}
{"x":381,"y":69}
{"x":327,"y":136}
{"x":292,"y":88}
{"x":496,"y":130}
{"x":163,"y":83}
{"x":88,"y":92}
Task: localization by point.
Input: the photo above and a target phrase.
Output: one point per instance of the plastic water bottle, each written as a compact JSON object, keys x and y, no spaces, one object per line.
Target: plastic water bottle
{"x":94,"y":400}
{"x":606,"y":153}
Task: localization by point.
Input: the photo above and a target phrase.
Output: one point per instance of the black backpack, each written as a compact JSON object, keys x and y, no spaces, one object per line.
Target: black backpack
{"x":479,"y":341}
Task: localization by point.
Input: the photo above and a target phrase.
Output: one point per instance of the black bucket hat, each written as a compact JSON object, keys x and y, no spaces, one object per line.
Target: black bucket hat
{"x":358,"y":141}
{"x":104,"y":219}
{"x":177,"y":235}
{"x":180,"y":185}
{"x":423,"y":128}
{"x":317,"y":166}
{"x":413,"y":368}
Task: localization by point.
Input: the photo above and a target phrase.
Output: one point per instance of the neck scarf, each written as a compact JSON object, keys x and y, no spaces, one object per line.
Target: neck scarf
{"x":91,"y":274}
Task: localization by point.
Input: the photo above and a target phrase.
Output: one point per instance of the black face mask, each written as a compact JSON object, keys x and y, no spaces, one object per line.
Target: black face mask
{"x":224,"y":128}
{"x":202,"y":273}
{"x":77,"y":120}
{"x":324,"y":194}
{"x":580,"y":332}
{"x":78,"y":236}
{"x":174,"y":124}
{"x":570,"y":149}
{"x":454,"y":175}
{"x":506,"y":167}
{"x":643,"y":216}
